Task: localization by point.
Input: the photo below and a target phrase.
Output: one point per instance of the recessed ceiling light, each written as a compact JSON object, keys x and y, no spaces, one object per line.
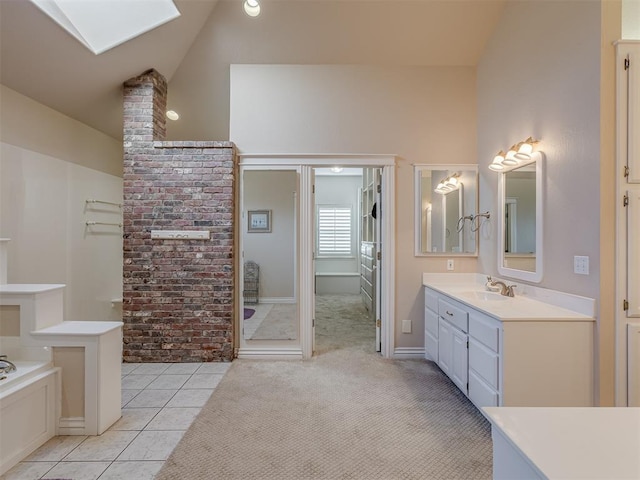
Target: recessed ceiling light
{"x":171,"y":115}
{"x":251,"y":8}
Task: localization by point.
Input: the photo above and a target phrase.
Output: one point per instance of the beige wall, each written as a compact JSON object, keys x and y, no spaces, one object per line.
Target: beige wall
{"x":49,"y":165}
{"x":547,"y":84}
{"x":422,"y":114}
{"x":630,"y":18}
{"x":35,"y":127}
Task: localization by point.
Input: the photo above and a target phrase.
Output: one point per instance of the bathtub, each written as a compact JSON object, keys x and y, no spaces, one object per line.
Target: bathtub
{"x":29,"y":407}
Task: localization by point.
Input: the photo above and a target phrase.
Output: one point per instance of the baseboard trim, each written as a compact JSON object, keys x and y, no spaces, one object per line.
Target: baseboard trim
{"x":71,"y":426}
{"x":276,"y":300}
{"x":270,"y":354}
{"x":408,"y":352}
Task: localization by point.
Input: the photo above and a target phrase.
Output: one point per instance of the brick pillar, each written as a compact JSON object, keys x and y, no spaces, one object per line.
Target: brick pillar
{"x":178,"y":295}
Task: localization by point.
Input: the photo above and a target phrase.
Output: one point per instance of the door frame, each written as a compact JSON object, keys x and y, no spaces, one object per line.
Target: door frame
{"x":307,"y":162}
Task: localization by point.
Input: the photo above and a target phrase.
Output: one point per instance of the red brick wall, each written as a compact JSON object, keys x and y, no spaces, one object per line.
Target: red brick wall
{"x":178,"y":295}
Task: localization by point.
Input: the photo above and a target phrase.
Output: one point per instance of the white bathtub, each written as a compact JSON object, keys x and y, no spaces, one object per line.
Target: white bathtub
{"x":29,"y":407}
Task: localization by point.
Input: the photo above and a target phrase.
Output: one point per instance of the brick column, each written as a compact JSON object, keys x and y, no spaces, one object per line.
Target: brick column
{"x":178,"y":295}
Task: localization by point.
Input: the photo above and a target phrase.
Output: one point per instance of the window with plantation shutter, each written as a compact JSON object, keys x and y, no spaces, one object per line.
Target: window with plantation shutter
{"x":334,"y":231}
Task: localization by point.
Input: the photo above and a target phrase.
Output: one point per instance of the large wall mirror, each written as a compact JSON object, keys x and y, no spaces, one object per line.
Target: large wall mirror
{"x":520,"y":228}
{"x":445,"y":208}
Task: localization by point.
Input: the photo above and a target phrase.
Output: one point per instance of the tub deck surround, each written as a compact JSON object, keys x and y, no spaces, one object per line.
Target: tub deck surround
{"x":534,"y":349}
{"x":30,"y":398}
{"x":529,"y":303}
{"x":596,"y":443}
{"x":41,"y":305}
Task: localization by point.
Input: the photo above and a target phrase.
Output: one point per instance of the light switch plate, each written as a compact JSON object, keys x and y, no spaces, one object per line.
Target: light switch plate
{"x":581,"y":265}
{"x":180,"y":234}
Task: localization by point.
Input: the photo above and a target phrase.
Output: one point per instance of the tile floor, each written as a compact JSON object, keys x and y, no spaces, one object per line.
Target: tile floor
{"x":159,"y":402}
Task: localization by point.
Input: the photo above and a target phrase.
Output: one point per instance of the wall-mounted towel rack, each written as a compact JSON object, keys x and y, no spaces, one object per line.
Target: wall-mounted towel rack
{"x":90,"y":200}
{"x":104,"y":223}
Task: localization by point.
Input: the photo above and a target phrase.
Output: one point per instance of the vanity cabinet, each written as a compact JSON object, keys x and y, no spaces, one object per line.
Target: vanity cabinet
{"x":538,"y":361}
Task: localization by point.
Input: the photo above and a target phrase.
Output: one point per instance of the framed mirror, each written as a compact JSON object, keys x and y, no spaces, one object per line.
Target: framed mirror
{"x":520,"y":202}
{"x":446,"y":202}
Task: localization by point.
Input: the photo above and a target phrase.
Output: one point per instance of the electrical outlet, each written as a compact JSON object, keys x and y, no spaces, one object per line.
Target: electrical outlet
{"x":406,"y":326}
{"x":450,"y":264}
{"x":581,"y":265}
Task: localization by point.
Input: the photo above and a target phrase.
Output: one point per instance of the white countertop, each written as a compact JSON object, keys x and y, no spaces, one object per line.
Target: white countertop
{"x":527,"y":305}
{"x":29,"y":288}
{"x":86,"y":328}
{"x":577,"y":443}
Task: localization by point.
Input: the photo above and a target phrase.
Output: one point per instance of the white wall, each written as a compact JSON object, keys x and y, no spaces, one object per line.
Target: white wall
{"x":42,"y":206}
{"x":274,"y":252}
{"x":422,"y":114}
{"x":545,"y":83}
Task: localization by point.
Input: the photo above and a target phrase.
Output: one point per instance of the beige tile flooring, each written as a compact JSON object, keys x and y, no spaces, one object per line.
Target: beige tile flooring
{"x":159,"y":402}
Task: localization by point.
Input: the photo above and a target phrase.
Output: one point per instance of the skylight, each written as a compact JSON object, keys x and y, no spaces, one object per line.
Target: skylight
{"x":103,"y":24}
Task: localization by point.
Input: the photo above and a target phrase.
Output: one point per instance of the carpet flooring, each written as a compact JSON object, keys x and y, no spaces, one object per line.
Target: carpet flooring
{"x":345,"y":414}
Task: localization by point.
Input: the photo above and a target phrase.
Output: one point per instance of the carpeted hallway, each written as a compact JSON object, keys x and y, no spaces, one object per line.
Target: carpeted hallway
{"x":345,"y":414}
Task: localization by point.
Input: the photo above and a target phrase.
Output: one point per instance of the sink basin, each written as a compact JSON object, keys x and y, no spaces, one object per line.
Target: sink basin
{"x":485,"y":296}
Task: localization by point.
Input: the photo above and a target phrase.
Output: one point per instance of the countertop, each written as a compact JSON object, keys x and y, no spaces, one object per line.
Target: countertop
{"x":534,"y":304}
{"x":28,"y":288}
{"x":79,"y":328}
{"x":574,"y":442}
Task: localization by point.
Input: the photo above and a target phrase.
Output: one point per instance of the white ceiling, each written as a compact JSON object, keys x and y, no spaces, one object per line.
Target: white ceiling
{"x":42,"y":61}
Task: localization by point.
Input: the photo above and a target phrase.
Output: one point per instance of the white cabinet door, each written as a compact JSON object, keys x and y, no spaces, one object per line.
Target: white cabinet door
{"x":633,"y":251}
{"x":633,"y":116}
{"x":459,"y":360}
{"x":445,"y":347}
{"x":431,"y":335}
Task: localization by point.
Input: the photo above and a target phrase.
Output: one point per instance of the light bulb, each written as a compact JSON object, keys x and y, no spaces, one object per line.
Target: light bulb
{"x":525,"y":149}
{"x":510,"y":158}
{"x":496,"y":165}
{"x":251,"y":8}
{"x":452,"y":183}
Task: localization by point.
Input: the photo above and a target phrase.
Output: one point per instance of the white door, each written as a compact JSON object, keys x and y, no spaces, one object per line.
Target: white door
{"x":312,"y":175}
{"x":378,"y":263}
{"x":628,"y":225}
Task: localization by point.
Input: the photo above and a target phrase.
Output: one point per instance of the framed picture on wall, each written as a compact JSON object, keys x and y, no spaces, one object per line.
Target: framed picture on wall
{"x":259,"y":221}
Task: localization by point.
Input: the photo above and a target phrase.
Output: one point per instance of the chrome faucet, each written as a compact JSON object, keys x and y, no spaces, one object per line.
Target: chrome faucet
{"x":5,"y":365}
{"x":506,"y":290}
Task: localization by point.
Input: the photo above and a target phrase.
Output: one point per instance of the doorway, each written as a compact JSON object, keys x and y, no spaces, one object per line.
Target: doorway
{"x":301,"y":345}
{"x":346,"y":271}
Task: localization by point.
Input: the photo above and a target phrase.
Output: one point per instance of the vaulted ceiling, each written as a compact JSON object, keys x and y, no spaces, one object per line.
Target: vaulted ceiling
{"x":42,"y":61}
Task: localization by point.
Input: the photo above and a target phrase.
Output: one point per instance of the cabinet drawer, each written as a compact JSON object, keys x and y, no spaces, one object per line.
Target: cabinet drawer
{"x":485,"y":330}
{"x":453,"y":314}
{"x":484,"y":362}
{"x":481,"y":394}
{"x":431,"y":299}
{"x":431,"y":322}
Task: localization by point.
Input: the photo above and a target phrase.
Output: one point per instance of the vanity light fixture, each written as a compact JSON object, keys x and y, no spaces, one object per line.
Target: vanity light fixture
{"x":251,"y":7}
{"x":448,"y":184}
{"x":517,"y":154}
